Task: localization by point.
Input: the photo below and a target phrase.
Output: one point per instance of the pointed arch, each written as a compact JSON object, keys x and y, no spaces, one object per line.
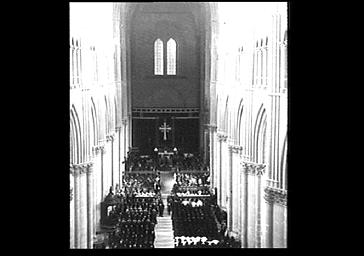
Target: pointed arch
{"x":229,"y":125}
{"x":116,"y":112}
{"x":106,"y":116}
{"x":259,"y":134}
{"x":158,"y":57}
{"x":283,"y":182}
{"x":72,"y":141}
{"x":171,"y":57}
{"x":225,"y":117}
{"x":261,"y":139}
{"x":77,"y":135}
{"x":94,"y":129}
{"x":111,"y":114}
{"x":239,"y":131}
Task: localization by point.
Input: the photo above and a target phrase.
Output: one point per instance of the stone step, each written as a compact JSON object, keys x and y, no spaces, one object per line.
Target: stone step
{"x":164,"y":240}
{"x":163,"y":234}
{"x":165,"y":229}
{"x":164,"y":246}
{"x":164,"y":221}
{"x":164,"y":224}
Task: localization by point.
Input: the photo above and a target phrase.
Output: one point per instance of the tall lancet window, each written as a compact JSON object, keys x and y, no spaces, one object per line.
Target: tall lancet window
{"x":171,"y":57}
{"x":158,"y":57}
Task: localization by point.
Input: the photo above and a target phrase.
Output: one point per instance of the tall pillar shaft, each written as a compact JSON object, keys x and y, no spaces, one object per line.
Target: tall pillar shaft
{"x":244,"y":205}
{"x":83,"y":208}
{"x":229,"y":189}
{"x":77,"y":226}
{"x":90,"y":212}
{"x":72,"y":213}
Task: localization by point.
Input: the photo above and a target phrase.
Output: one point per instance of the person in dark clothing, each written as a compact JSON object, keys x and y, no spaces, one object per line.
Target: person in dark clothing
{"x":161,"y":208}
{"x":169,"y":205}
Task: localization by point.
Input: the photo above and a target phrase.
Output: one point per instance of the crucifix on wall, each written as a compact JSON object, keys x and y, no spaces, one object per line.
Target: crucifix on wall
{"x":165,"y":128}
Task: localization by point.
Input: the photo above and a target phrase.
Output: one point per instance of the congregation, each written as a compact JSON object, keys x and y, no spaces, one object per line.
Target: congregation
{"x":191,"y":205}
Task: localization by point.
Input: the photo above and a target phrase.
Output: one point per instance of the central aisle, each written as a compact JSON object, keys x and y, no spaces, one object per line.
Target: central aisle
{"x":164,"y":234}
{"x":167,"y":181}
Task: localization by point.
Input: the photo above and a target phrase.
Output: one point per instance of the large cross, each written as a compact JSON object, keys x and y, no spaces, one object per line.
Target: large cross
{"x":165,"y":129}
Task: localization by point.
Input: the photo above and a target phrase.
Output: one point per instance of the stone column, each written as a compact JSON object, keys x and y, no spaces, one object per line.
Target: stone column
{"x":234,"y":191}
{"x":230,"y":189}
{"x":97,"y":187}
{"x":212,"y":130}
{"x":120,"y":159}
{"x":76,"y":173}
{"x":268,"y":220}
{"x":244,"y":205}
{"x":212,"y":153}
{"x":254,"y":173}
{"x":259,"y":171}
{"x":219,"y":167}
{"x":221,"y":139}
{"x":72,"y":210}
{"x":111,"y":138}
{"x":83,"y":206}
{"x":90,"y":212}
{"x":251,"y":205}
{"x":277,"y":200}
{"x":103,"y":151}
{"x":224,"y":169}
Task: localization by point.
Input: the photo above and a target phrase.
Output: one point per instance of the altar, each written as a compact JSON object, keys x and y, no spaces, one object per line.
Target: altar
{"x":166,"y":153}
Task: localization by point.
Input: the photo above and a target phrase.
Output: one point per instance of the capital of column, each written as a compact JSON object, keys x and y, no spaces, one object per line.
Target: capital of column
{"x":235,"y":148}
{"x":275,"y":196}
{"x":260,"y":169}
{"x":110,"y":137}
{"x":253,"y":168}
{"x":75,"y":169}
{"x":89,"y":167}
{"x":78,"y":169}
{"x":222,"y":137}
{"x":98,"y":149}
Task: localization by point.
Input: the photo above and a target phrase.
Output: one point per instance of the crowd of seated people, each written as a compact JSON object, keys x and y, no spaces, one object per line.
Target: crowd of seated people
{"x":136,"y":162}
{"x":140,"y":184}
{"x":179,"y":160}
{"x":203,"y":242}
{"x":195,"y":226}
{"x":188,"y":220}
{"x":187,"y":191}
{"x":192,"y":179}
{"x":195,"y":242}
{"x":189,"y":162}
{"x":136,"y":220}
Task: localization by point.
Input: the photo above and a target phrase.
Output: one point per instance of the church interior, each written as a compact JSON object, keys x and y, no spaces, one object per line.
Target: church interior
{"x":178,"y":125}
